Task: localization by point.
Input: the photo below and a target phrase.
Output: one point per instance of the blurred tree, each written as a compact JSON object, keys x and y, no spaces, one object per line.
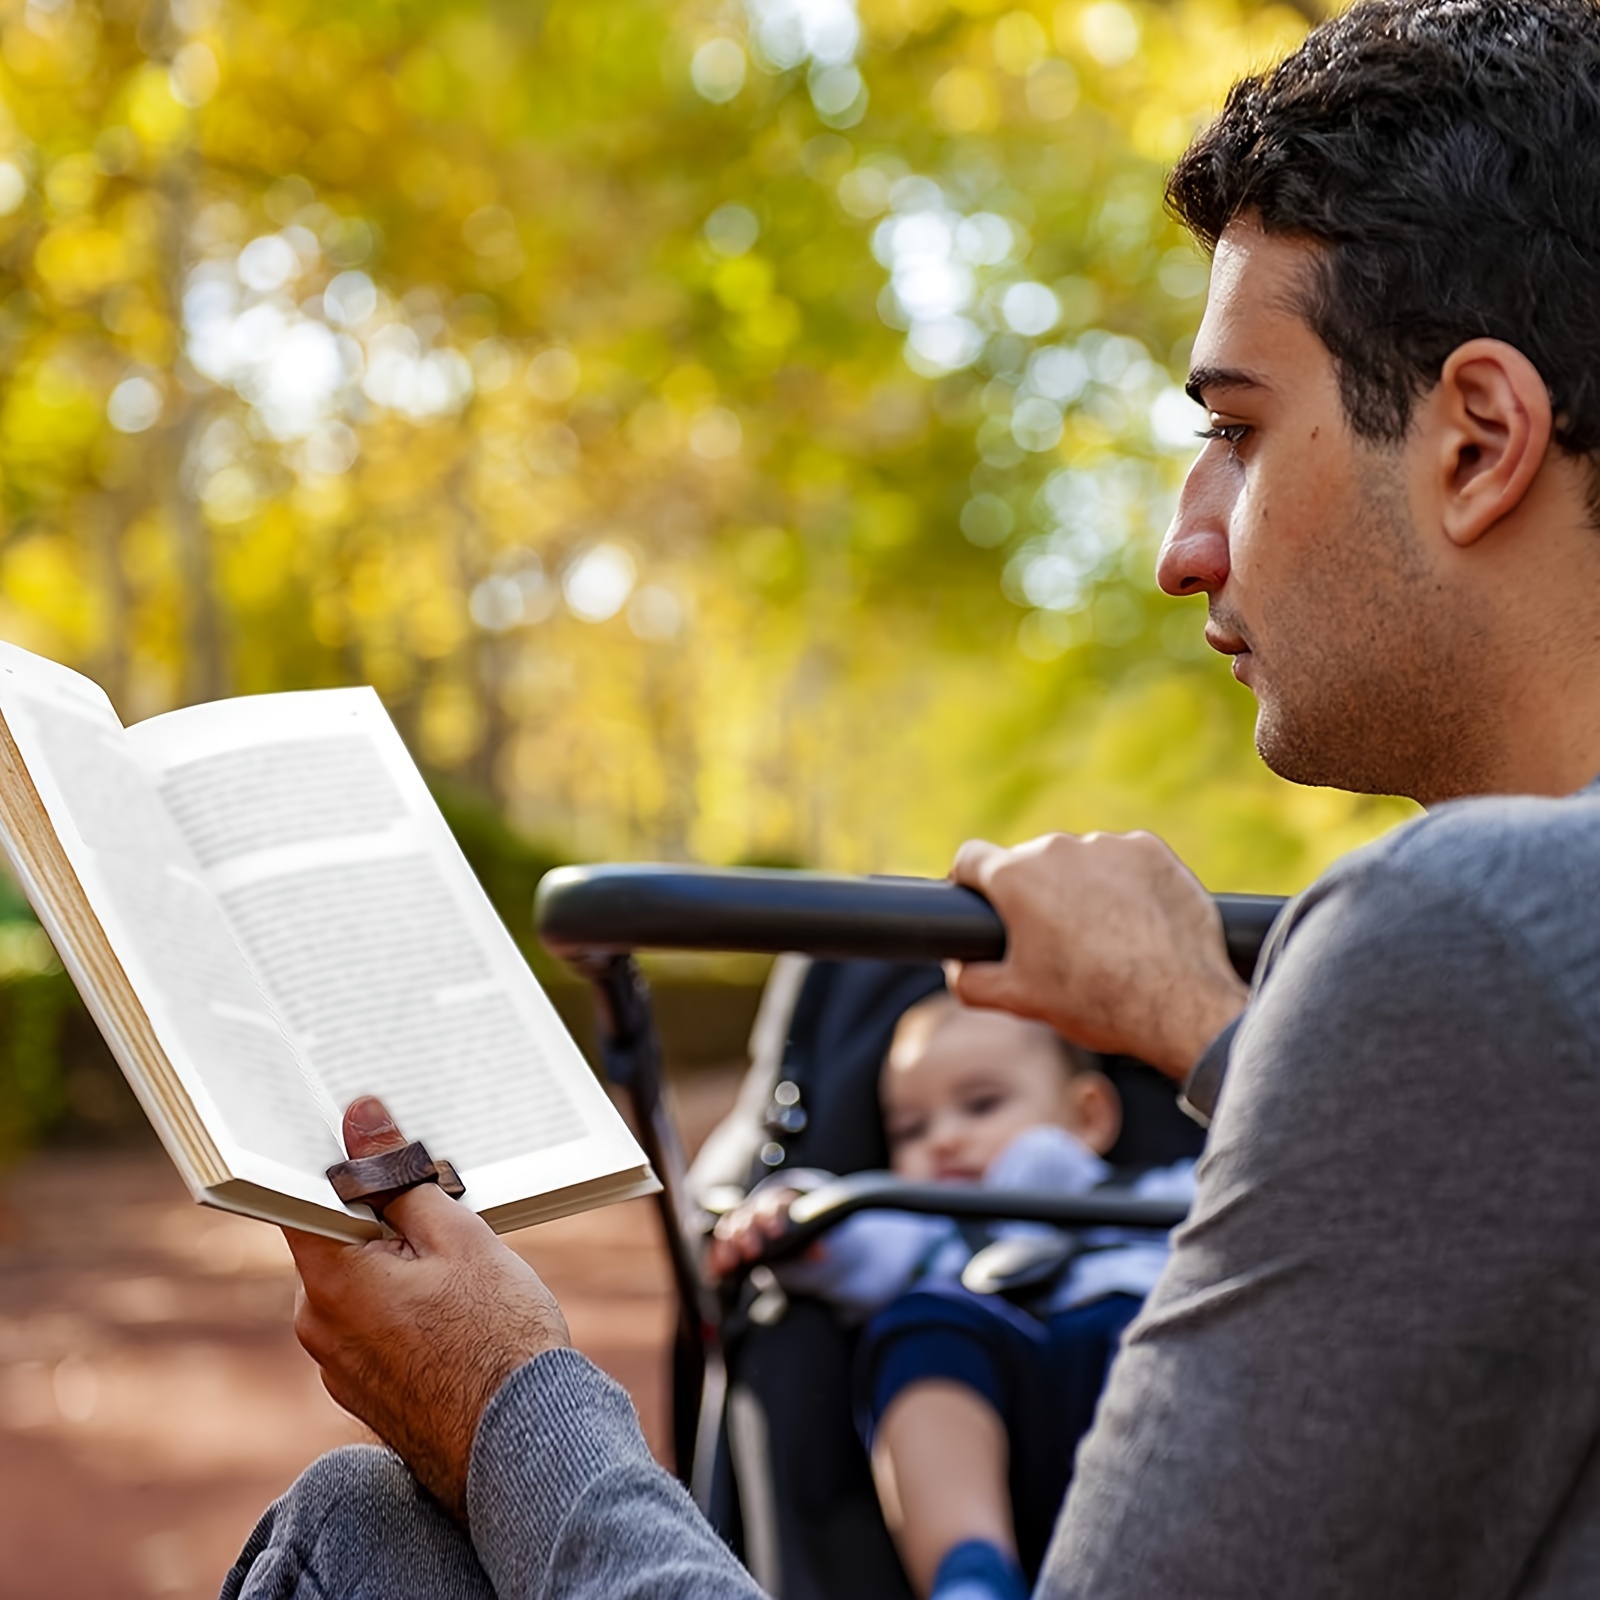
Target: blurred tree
{"x":728,"y":430}
{"x":36,"y":999}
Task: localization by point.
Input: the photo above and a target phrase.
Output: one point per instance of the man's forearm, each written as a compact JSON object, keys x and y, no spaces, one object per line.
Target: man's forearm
{"x":564,"y":1499}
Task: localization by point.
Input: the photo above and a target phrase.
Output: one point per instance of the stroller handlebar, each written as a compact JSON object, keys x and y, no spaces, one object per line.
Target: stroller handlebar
{"x":813,"y":1214}
{"x":610,"y":910}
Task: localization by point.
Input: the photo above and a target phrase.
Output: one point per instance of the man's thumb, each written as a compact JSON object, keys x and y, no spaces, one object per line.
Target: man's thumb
{"x":425,"y":1215}
{"x":369,"y":1130}
{"x":429,"y":1220}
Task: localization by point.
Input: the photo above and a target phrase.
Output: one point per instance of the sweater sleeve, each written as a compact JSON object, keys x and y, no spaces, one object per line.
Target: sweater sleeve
{"x":1369,"y":1366}
{"x":1203,"y":1087}
{"x":565,"y":1503}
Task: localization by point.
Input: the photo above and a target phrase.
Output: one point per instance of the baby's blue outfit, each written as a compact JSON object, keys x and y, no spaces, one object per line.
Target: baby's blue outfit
{"x":872,"y":1259}
{"x":1040,"y":1368}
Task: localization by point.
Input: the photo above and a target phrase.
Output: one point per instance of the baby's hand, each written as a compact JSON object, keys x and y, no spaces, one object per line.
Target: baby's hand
{"x":743,"y":1233}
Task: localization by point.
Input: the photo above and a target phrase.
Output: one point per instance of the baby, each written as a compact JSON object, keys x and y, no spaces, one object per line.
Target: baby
{"x":971,"y":1406}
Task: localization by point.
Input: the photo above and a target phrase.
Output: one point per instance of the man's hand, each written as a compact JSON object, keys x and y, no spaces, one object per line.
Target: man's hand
{"x":1110,"y":939}
{"x":414,"y":1335}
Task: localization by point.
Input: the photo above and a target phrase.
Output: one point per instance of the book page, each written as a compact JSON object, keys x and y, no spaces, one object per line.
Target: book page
{"x":380,"y":951}
{"x":148,"y":893}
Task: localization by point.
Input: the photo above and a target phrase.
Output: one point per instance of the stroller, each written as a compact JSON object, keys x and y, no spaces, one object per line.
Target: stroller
{"x":761,"y":1383}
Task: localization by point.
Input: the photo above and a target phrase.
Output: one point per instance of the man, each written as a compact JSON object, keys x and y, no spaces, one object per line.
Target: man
{"x":1373,"y":1366}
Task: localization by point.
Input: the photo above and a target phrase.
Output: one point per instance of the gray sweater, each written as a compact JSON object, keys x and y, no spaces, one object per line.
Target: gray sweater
{"x":1372,"y":1366}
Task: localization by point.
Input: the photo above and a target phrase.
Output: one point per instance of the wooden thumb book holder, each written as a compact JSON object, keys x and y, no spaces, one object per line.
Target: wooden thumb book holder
{"x":376,"y":1180}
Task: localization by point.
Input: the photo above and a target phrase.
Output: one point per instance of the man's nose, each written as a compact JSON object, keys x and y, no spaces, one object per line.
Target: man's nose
{"x":1194,"y":554}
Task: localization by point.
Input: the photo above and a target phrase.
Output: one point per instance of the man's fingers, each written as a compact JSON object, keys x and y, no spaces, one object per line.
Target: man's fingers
{"x":311,"y":1251}
{"x":310,"y":1329}
{"x":984,"y":985}
{"x":972,"y":862}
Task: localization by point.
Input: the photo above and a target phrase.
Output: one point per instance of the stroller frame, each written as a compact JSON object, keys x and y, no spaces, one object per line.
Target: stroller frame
{"x":596,"y":917}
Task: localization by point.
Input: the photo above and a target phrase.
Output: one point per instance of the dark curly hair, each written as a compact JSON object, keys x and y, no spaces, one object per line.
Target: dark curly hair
{"x":1447,"y":155}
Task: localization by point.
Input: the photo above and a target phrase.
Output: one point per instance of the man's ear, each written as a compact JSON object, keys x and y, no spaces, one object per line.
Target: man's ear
{"x":1494,"y":418}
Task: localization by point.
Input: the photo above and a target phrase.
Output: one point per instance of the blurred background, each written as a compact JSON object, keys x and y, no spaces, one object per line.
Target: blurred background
{"x":722,"y":430}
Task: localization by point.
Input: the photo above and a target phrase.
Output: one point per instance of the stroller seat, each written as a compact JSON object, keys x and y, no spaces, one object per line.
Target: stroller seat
{"x":792,"y":1489}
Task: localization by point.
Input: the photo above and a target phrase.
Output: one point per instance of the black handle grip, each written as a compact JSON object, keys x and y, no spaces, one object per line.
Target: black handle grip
{"x":607,"y":910}
{"x":815,"y":1213}
{"x":822,"y":1210}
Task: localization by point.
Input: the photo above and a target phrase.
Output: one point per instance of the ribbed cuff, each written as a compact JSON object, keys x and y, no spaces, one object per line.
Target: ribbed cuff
{"x":1203,"y":1087}
{"x":554,"y":1428}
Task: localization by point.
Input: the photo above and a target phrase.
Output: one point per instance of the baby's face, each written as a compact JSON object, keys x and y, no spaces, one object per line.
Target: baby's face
{"x":956,"y":1094}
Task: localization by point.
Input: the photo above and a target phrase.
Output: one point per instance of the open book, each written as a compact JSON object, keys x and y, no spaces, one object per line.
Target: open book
{"x":267,"y":916}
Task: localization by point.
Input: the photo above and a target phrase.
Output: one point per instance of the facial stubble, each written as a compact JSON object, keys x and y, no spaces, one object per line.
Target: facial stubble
{"x":1368,"y":679}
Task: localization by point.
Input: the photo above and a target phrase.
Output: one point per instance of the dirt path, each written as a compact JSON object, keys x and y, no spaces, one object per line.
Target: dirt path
{"x":152,"y":1396}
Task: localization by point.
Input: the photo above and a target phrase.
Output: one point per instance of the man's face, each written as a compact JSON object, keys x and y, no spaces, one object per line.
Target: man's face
{"x":1301,"y":535}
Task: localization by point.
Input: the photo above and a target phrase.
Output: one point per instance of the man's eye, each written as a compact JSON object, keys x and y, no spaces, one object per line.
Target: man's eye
{"x":1233,"y":433}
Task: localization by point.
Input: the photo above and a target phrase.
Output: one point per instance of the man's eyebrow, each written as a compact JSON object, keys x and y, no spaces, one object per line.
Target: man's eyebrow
{"x":1203,"y":379}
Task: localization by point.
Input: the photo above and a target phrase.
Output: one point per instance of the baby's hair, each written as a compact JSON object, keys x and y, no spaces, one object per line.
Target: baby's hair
{"x":920,"y":1022}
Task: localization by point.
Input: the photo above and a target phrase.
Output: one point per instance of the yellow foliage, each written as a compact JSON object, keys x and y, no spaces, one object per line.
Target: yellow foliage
{"x":72,"y":182}
{"x":153,"y":112}
{"x":965,"y":100}
{"x":78,"y":261}
{"x":259,"y":567}
{"x":436,"y":624}
{"x":653,"y":441}
{"x":1019,"y":42}
{"x":450,"y":725}
{"x":47,"y":578}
